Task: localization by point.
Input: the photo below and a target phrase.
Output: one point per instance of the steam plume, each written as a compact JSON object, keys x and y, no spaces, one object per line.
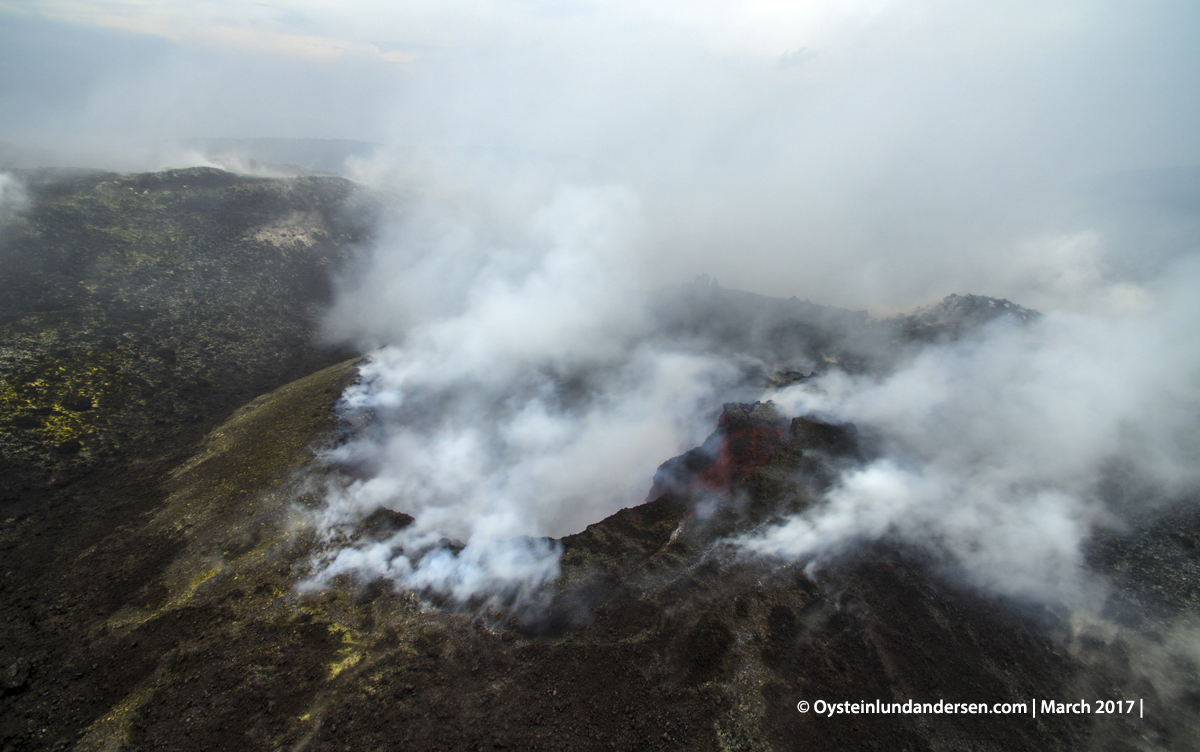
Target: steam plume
{"x":523,"y":397}
{"x":1005,"y":451}
{"x":12,"y":196}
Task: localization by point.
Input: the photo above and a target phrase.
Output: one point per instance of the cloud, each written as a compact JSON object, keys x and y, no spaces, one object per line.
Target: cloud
{"x":1006,"y":451}
{"x":920,"y":145}
{"x":518,"y":392}
{"x":560,"y":159}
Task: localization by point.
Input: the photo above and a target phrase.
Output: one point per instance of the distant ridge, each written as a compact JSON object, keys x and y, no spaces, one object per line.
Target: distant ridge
{"x":301,"y":155}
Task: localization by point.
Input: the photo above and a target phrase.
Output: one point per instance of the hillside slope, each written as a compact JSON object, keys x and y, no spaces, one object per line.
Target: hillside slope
{"x":163,"y":402}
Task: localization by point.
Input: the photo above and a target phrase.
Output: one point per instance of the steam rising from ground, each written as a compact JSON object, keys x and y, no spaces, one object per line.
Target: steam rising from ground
{"x":1005,"y":451}
{"x":867,"y":154}
{"x":12,"y":196}
{"x":523,"y":396}
{"x":876,"y":154}
{"x":523,"y":388}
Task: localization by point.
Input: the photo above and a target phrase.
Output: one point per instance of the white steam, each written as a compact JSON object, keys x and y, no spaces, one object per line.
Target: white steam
{"x":520,"y":389}
{"x":519,"y":395}
{"x":13,"y":197}
{"x":1006,"y":450}
{"x":876,"y":154}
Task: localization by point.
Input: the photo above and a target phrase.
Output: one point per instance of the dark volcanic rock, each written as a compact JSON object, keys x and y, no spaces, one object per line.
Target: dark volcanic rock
{"x":162,"y":400}
{"x":797,"y":337}
{"x":383,"y":522}
{"x":750,"y":437}
{"x":136,"y":313}
{"x":958,"y":314}
{"x":745,"y":438}
{"x":810,"y":433}
{"x":16,"y":676}
{"x":183,"y":293}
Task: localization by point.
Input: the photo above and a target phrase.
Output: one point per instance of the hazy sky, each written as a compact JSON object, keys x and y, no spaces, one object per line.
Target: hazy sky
{"x":875,"y":154}
{"x":1120,"y":75}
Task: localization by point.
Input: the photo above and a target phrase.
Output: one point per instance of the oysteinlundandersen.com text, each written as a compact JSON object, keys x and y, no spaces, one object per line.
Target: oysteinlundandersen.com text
{"x":912,"y":707}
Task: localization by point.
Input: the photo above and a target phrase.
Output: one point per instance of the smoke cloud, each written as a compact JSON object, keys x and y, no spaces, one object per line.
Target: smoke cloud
{"x":524,"y":387}
{"x":560,"y":162}
{"x":1007,"y":450}
{"x":518,"y":391}
{"x":871,"y":155}
{"x":12,"y":196}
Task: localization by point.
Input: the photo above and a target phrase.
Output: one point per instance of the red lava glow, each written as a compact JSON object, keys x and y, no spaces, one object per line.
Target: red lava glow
{"x":745,"y":439}
{"x":742,"y":450}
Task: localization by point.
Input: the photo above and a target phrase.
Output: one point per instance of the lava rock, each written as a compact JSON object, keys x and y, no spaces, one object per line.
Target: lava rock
{"x":16,"y":676}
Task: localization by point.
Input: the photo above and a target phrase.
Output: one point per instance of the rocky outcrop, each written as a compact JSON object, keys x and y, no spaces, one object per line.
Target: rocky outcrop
{"x":748,"y":437}
{"x":956,"y":315}
{"x":797,"y":337}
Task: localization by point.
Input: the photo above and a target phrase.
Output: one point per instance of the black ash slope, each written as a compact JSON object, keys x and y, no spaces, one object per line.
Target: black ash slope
{"x":150,"y":547}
